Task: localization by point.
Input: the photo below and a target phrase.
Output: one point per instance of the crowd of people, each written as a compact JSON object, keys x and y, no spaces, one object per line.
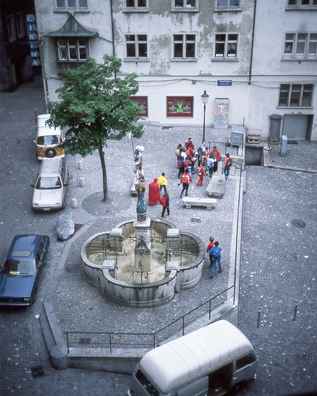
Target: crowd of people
{"x":203,"y":161}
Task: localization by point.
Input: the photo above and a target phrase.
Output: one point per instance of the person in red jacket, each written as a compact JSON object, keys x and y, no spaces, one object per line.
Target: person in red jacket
{"x":217,"y":156}
{"x":165,"y":202}
{"x":185,"y":181}
{"x":200,"y":175}
{"x":154,"y":192}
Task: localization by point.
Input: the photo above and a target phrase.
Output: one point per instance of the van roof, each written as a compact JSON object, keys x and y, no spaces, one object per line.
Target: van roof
{"x":50,"y":166}
{"x":194,"y":355}
{"x":43,"y":129}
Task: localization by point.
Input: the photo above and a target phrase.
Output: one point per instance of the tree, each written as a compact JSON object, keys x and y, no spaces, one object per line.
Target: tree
{"x":94,"y":106}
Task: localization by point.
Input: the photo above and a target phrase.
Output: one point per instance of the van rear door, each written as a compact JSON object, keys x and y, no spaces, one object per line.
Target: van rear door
{"x":245,"y":368}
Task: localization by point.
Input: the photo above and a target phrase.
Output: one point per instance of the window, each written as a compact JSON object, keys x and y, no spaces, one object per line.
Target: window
{"x":245,"y":360}
{"x":180,"y":106}
{"x":79,"y":4}
{"x":142,"y":102}
{"x":136,"y":45}
{"x":227,"y":4}
{"x":146,"y":384}
{"x":302,"y":3}
{"x":136,"y":3}
{"x":11,"y":28}
{"x":72,"y":50}
{"x":226,"y":45}
{"x":184,"y":46}
{"x":20,"y":25}
{"x":301,"y":45}
{"x":296,"y":95}
{"x":187,"y":4}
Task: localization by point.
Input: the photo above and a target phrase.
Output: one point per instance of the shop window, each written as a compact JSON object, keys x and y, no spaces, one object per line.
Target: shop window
{"x":142,"y":102}
{"x":180,"y":106}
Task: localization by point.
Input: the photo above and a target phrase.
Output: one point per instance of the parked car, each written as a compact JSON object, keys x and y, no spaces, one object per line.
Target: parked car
{"x":49,"y":140}
{"x":19,"y":275}
{"x":50,"y":187}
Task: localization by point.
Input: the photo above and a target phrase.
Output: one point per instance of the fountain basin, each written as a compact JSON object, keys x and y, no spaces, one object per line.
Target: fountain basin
{"x":107,"y":259}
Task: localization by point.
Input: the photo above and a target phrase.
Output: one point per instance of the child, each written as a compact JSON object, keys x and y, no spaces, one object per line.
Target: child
{"x":200,"y":175}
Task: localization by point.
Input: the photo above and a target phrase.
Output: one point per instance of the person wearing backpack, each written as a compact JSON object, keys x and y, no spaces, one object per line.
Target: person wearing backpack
{"x":215,"y":259}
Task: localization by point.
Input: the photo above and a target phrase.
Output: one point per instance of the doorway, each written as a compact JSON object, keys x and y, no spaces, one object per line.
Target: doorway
{"x":221,"y":112}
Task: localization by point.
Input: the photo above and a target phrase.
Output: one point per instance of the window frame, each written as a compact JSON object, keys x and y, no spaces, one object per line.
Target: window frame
{"x":141,"y":101}
{"x":228,"y":7}
{"x":76,"y":7}
{"x":306,"y":54}
{"x":291,"y":92}
{"x":190,"y":99}
{"x":68,"y":46}
{"x":136,"y":43}
{"x":226,"y":45}
{"x":184,"y":43}
{"x":299,"y":6}
{"x":135,"y":7}
{"x":184,"y":7}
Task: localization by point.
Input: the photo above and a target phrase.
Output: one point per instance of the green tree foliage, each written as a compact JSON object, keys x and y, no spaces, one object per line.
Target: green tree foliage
{"x":93,"y":105}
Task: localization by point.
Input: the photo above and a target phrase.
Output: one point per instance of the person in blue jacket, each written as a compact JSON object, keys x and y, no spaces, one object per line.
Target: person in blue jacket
{"x":215,"y":259}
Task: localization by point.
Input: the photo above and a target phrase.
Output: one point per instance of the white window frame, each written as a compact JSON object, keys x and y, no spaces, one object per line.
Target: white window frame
{"x":312,"y":4}
{"x":296,"y":40}
{"x":226,"y":45}
{"x":136,"y":5}
{"x":228,"y":6}
{"x":68,"y":47}
{"x":136,"y":43}
{"x":77,"y":5}
{"x":291,"y":90}
{"x":186,"y":6}
{"x":185,"y":41}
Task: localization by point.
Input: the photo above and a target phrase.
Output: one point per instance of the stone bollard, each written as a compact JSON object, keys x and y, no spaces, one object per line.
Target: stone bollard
{"x":80,"y":164}
{"x":74,"y":203}
{"x":81,"y":181}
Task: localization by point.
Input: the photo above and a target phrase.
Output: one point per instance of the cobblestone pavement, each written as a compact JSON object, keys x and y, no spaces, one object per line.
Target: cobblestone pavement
{"x":278,"y":279}
{"x":301,"y":155}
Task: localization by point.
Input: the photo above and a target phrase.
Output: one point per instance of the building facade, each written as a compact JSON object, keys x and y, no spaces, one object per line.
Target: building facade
{"x":256,"y":60}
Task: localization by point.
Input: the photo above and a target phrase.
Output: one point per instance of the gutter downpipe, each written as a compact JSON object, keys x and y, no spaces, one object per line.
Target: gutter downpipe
{"x":112,"y":29}
{"x":252,"y":44}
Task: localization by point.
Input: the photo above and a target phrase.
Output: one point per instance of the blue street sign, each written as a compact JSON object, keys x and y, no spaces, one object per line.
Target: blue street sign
{"x":224,"y":83}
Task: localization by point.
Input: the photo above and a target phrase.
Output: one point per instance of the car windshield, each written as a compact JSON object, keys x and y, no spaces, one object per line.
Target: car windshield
{"x":19,"y":267}
{"x":48,"y":183}
{"x":47,"y":140}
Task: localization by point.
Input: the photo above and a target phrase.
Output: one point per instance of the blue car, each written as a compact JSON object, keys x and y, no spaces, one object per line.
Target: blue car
{"x":19,"y":274}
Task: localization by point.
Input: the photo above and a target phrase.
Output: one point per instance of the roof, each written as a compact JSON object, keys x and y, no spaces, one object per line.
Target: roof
{"x":180,"y":361}
{"x":44,"y":129}
{"x":23,"y":243}
{"x":72,"y":28}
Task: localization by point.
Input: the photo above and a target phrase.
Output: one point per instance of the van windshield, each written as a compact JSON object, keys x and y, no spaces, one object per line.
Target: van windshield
{"x":47,"y":140}
{"x":147,"y":385}
{"x":48,"y":183}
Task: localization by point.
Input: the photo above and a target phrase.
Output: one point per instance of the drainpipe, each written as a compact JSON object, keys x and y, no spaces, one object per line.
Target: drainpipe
{"x":112,"y":29}
{"x":252,"y":44}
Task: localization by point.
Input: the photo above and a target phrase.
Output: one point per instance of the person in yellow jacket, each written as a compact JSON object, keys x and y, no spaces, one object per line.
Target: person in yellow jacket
{"x":162,"y":181}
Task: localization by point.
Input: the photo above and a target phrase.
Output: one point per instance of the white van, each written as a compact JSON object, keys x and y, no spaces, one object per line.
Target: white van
{"x":49,"y":140}
{"x":206,"y":362}
{"x":50,"y":186}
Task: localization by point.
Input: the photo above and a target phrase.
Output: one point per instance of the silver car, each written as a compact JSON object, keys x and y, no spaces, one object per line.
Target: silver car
{"x":50,"y":186}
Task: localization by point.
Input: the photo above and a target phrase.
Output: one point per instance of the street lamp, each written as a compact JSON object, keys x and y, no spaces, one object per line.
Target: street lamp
{"x":204,"y":99}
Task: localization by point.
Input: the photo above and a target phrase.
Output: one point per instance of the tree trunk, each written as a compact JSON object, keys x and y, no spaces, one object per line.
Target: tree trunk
{"x":104,"y":172}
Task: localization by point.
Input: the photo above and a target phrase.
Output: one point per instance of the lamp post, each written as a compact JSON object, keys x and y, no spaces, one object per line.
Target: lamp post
{"x":204,"y":99}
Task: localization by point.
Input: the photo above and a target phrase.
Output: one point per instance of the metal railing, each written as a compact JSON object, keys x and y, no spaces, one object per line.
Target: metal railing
{"x":120,"y":340}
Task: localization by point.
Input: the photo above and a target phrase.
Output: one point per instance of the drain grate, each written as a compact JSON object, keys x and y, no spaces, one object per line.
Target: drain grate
{"x":298,"y":223}
{"x":37,"y":371}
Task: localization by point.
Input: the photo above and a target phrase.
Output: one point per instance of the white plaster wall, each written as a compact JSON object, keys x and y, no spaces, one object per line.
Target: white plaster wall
{"x":158,"y":89}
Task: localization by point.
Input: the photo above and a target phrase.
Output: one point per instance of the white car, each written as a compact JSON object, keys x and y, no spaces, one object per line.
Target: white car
{"x":49,"y":140}
{"x":50,"y":186}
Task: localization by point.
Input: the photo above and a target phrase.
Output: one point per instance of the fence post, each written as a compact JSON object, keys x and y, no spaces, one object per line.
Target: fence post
{"x":209,"y":309}
{"x":183,"y":320}
{"x":154,"y":340}
{"x":67,"y":341}
{"x":110,"y":346}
